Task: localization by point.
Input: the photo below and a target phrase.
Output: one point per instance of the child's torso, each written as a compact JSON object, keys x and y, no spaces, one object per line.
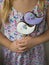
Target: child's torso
{"x":10,"y":30}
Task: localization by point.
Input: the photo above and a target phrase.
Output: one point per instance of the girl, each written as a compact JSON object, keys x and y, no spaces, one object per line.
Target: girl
{"x":19,"y":50}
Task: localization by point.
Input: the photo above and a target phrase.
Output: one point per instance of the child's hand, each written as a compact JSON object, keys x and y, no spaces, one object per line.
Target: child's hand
{"x":15,"y":47}
{"x":27,"y":43}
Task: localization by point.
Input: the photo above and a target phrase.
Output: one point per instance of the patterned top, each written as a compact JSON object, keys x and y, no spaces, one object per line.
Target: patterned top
{"x":10,"y":30}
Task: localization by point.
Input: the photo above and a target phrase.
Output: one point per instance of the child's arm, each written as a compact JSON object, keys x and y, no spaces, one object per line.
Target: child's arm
{"x":13,"y":46}
{"x":4,"y":41}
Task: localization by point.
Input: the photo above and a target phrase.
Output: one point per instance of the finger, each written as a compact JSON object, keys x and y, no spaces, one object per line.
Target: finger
{"x":19,"y":48}
{"x":22,"y":44}
{"x":19,"y":51}
{"x":23,"y":49}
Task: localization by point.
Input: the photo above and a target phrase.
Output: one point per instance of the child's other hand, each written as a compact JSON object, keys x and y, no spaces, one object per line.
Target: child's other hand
{"x":27,"y":43}
{"x":15,"y":47}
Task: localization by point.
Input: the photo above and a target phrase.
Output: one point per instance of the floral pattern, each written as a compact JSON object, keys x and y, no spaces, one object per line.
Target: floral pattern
{"x":34,"y":56}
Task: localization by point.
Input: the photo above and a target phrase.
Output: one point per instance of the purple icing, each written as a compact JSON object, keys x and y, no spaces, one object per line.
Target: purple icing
{"x":31,"y":19}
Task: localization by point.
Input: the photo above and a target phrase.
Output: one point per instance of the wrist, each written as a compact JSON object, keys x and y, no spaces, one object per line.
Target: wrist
{"x":9,"y":44}
{"x":34,"y":41}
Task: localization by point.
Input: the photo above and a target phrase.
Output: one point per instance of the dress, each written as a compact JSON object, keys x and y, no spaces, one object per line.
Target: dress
{"x":34,"y":56}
